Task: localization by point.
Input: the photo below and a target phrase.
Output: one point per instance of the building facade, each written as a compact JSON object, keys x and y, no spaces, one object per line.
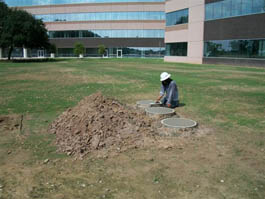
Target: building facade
{"x":215,"y":31}
{"x":127,"y":28}
{"x":190,"y":31}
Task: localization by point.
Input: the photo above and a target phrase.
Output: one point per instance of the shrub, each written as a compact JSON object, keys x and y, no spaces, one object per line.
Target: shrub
{"x":79,"y":49}
{"x":101,"y":50}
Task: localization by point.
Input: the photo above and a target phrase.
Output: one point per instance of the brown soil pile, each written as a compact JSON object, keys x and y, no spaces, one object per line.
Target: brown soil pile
{"x":98,"y":122}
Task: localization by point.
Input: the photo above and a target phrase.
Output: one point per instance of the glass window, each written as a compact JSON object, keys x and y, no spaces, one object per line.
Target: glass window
{"x":246,"y":6}
{"x":107,"y":33}
{"x":176,"y":49}
{"x":135,"y":15}
{"x":154,"y":15}
{"x":217,"y":10}
{"x":261,"y":48}
{"x":209,"y":11}
{"x":115,"y":16}
{"x":119,"y":33}
{"x":236,"y":7}
{"x":54,"y":2}
{"x":258,"y":6}
{"x":102,"y":16}
{"x":177,"y":17}
{"x":135,"y":33}
{"x":226,"y":8}
{"x":87,"y":33}
{"x":65,"y":52}
{"x":235,"y":48}
{"x":92,"y":52}
{"x":150,"y":34}
{"x":232,"y":8}
{"x":95,"y":33}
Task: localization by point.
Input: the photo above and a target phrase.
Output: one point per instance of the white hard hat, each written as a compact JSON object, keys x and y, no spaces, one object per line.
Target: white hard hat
{"x":164,"y":76}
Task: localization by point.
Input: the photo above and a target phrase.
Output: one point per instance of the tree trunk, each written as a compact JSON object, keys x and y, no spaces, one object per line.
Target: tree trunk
{"x":10,"y":52}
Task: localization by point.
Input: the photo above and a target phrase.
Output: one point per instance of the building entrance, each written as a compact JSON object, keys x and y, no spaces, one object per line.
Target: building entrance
{"x":41,"y":53}
{"x":119,"y":53}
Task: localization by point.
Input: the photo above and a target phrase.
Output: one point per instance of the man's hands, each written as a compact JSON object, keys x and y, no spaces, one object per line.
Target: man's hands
{"x":158,"y":99}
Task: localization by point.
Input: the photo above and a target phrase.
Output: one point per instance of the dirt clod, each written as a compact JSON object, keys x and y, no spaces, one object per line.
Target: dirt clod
{"x":100,"y":123}
{"x":9,"y":123}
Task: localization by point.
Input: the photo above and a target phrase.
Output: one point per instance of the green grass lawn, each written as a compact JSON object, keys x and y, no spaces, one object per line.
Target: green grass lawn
{"x":227,"y":163}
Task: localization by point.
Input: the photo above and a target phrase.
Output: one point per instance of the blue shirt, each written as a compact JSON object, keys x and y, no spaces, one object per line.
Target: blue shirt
{"x":171,"y":92}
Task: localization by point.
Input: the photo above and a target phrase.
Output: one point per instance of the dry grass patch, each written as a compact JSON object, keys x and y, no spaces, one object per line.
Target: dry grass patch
{"x":64,"y":76}
{"x":235,"y":72}
{"x":240,"y":88}
{"x":120,"y":69}
{"x":165,"y":68}
{"x":131,"y":99}
{"x":51,"y":74}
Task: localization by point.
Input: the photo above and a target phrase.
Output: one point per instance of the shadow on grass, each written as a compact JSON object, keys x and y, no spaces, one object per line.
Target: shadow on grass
{"x":181,"y":104}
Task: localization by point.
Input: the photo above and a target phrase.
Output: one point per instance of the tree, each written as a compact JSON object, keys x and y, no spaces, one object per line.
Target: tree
{"x":101,"y":50}
{"x":79,"y":49}
{"x":4,"y":10}
{"x":53,"y":48}
{"x":21,"y":29}
{"x":3,"y":13}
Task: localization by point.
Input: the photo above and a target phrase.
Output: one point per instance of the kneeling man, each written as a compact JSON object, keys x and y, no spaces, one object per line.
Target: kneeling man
{"x":169,"y":91}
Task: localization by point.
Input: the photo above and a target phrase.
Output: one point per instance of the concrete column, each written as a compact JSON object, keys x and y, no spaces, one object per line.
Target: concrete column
{"x":1,"y":53}
{"x":25,"y":53}
{"x":196,"y":31}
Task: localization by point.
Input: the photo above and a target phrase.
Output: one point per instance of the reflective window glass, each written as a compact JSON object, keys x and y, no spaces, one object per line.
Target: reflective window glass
{"x":236,"y":7}
{"x":235,"y":48}
{"x":258,"y":6}
{"x":54,"y":2}
{"x":217,"y":10}
{"x":246,"y":6}
{"x":102,"y":16}
{"x":209,"y":11}
{"x":177,"y":17}
{"x":87,"y":33}
{"x":135,"y":33}
{"x":135,"y":16}
{"x":233,"y":8}
{"x":115,"y":16}
{"x":226,"y":8}
{"x":107,"y":34}
{"x":177,"y":49}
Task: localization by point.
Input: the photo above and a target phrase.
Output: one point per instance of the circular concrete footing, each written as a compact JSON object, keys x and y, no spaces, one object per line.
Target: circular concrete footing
{"x":146,"y":103}
{"x":175,"y":127}
{"x":179,"y":123}
{"x":160,"y":112}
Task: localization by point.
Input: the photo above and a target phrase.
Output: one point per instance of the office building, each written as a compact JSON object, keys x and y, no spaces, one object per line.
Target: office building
{"x":190,"y":31}
{"x":215,"y":31}
{"x":127,"y":28}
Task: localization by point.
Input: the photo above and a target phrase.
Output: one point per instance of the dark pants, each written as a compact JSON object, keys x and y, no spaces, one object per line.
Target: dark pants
{"x":173,"y":104}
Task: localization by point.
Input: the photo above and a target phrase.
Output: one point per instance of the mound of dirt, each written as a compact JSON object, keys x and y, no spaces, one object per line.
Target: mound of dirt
{"x":98,"y":122}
